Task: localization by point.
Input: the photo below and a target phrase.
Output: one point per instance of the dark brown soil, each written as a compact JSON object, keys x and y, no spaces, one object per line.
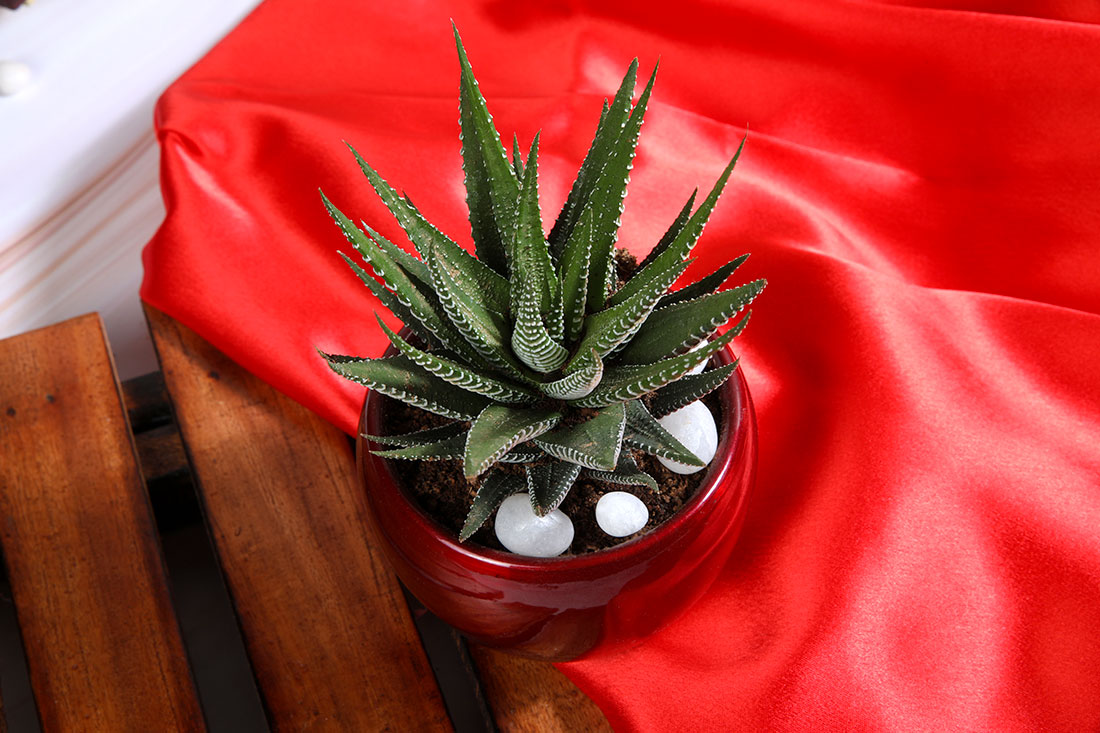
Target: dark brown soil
{"x":442,"y":491}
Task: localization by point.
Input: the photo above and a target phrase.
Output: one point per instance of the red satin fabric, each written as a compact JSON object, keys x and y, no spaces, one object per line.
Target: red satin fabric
{"x":921,"y":187}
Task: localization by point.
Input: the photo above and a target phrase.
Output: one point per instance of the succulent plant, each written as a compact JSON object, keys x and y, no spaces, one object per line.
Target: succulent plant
{"x":534,"y":349}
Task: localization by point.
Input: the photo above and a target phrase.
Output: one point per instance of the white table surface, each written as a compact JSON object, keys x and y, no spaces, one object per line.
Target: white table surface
{"x":79,"y":193}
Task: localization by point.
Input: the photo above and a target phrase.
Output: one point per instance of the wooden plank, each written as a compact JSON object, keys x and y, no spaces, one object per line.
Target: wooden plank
{"x":528,"y":696}
{"x":324,"y":622}
{"x":103,"y":646}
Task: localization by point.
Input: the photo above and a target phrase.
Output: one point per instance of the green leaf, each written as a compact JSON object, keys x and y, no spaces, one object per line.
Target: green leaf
{"x":608,"y":130}
{"x":680,"y":326}
{"x":633,"y":382}
{"x":420,"y":437}
{"x":417,"y":302}
{"x":688,"y":389}
{"x":498,"y":429}
{"x":390,"y":301}
{"x":481,"y":328}
{"x":400,"y":378}
{"x":441,"y":450}
{"x":606,"y":330}
{"x":594,"y":443}
{"x":424,"y":236}
{"x":577,"y":384}
{"x":531,"y":264}
{"x":460,"y":375}
{"x":674,"y":229}
{"x":453,"y":448}
{"x":606,"y":202}
{"x":411,"y":265}
{"x":487,"y":168}
{"x":483,"y":224}
{"x":530,"y":340}
{"x":522,"y":454}
{"x":574,"y":276}
{"x":648,"y":435}
{"x":681,"y":246}
{"x":548,"y":484}
{"x":708,"y":284}
{"x":517,"y":159}
{"x":626,"y":473}
{"x":495,"y":488}
{"x":647,"y":444}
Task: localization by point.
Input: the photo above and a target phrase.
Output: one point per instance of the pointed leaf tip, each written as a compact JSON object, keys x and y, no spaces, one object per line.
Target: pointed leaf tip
{"x":498,"y":429}
{"x":495,"y":488}
{"x":548,"y":484}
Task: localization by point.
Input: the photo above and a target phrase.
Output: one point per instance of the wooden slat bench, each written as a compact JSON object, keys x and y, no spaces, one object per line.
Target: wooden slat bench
{"x":327,"y":629}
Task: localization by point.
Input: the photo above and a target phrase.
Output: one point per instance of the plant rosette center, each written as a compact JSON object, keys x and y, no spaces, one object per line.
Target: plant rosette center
{"x":547,"y":363}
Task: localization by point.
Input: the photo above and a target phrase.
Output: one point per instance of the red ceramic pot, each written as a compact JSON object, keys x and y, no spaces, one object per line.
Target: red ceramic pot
{"x":565,"y":608}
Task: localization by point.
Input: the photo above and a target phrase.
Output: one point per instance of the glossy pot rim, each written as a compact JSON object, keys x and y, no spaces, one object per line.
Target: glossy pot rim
{"x":736,"y":425}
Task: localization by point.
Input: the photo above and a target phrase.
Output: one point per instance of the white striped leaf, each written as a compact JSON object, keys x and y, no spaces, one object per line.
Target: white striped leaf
{"x":400,"y":378}
{"x":517,"y":158}
{"x":494,"y":488}
{"x":632,"y":383}
{"x":390,"y":301}
{"x":498,"y":429}
{"x":418,"y":303}
{"x":411,"y":265}
{"x":609,"y":328}
{"x":548,"y":484}
{"x":678,"y":327}
{"x":708,"y":284}
{"x":594,"y":443}
{"x":646,"y":434}
{"x":531,"y":263}
{"x":606,"y":200}
{"x":626,"y":473}
{"x":612,"y":119}
{"x":577,"y":384}
{"x":460,"y":375}
{"x":442,"y":450}
{"x":674,"y":229}
{"x":531,"y":341}
{"x":420,"y":437}
{"x":481,"y":328}
{"x":425,"y":236}
{"x":489,"y":173}
{"x":681,"y":246}
{"x":522,"y":454}
{"x":688,"y":389}
{"x":575,"y":260}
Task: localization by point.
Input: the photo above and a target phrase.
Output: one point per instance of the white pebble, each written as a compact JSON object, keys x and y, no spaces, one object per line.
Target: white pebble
{"x":692,"y":425}
{"x":621,"y":514}
{"x":698,"y":368}
{"x":15,"y":76}
{"x":525,"y":533}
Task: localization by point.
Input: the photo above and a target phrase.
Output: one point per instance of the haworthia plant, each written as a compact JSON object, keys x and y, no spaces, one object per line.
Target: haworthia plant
{"x":534,"y":350}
